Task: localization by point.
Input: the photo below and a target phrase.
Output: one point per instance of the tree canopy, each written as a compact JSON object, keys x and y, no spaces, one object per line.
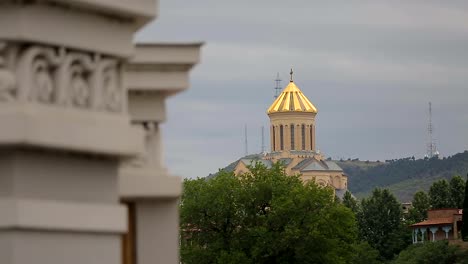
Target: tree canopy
{"x":457,"y":192}
{"x":380,"y":224}
{"x":439,"y":194}
{"x":265,"y":216}
{"x":350,"y":202}
{"x":420,"y":206}
{"x":464,"y":230}
{"x":435,"y":252}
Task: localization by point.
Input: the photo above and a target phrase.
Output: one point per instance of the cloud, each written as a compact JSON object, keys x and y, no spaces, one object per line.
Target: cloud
{"x":369,"y":66}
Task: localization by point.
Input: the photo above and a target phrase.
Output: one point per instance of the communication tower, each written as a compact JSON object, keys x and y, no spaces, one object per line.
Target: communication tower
{"x":278,"y":85}
{"x":431,"y":145}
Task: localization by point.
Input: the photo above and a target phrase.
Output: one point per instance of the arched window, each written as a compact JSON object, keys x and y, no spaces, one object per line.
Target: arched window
{"x":292,"y":136}
{"x":311,"y":137}
{"x":281,"y":138}
{"x":303,"y":136}
{"x":274,"y":138}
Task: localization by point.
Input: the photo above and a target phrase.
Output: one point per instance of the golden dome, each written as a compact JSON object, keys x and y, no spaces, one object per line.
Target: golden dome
{"x":292,"y":99}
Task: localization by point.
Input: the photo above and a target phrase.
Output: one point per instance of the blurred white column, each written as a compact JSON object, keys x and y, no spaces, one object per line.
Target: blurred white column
{"x":156,"y":72}
{"x":64,"y":127}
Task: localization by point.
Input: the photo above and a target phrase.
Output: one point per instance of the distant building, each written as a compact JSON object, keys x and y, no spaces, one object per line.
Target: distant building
{"x":441,"y":224}
{"x":406,"y":207}
{"x":292,"y":137}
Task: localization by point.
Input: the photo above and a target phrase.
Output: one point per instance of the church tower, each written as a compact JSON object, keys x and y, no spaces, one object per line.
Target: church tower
{"x":292,"y":134}
{"x":292,"y":121}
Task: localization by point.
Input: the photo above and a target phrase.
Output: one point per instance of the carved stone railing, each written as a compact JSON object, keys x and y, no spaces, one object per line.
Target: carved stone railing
{"x":7,"y":78}
{"x":61,"y":77}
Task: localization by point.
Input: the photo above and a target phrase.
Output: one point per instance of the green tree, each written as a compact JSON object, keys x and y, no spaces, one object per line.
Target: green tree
{"x":264,"y":216}
{"x":380,"y":224}
{"x":209,"y":206}
{"x":457,"y":192}
{"x":439,"y":194}
{"x":464,"y":229}
{"x":365,"y":254}
{"x":439,"y":252}
{"x":350,"y":202}
{"x":420,"y":204}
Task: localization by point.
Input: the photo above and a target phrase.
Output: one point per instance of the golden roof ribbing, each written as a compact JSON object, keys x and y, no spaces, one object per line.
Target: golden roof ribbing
{"x":292,"y":99}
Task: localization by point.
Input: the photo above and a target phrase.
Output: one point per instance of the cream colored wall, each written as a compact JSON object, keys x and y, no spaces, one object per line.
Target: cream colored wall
{"x":334,"y":179}
{"x":240,"y":168}
{"x":344,"y":182}
{"x":297,"y":119}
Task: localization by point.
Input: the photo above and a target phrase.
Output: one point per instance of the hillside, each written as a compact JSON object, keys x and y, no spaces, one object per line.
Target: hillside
{"x":403,"y":177}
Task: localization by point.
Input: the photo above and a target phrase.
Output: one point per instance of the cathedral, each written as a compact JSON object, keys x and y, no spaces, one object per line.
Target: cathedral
{"x":292,"y":140}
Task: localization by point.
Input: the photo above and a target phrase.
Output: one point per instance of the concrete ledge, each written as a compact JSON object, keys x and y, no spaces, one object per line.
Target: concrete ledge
{"x":135,"y":184}
{"x":147,"y":107}
{"x":83,"y":31}
{"x":161,"y":67}
{"x":69,"y":216}
{"x":152,"y":80}
{"x":69,"y":129}
{"x":167,"y":53}
{"x":142,"y":10}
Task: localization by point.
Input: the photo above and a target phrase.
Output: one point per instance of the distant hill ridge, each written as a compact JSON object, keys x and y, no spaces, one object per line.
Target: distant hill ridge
{"x":403,"y":176}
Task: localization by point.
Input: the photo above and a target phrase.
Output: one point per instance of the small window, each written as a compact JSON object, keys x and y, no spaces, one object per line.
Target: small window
{"x":292,"y":136}
{"x":311,"y":137}
{"x":281,"y":138}
{"x":303,"y":136}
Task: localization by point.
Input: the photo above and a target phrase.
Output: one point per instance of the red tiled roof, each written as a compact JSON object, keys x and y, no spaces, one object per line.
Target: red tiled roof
{"x":459,"y":211}
{"x":435,"y":221}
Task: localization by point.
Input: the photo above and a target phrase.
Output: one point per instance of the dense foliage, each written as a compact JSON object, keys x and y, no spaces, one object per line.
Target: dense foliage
{"x":350,"y":202}
{"x":464,"y":230}
{"x":442,"y":194}
{"x":380,"y":224}
{"x":420,"y":204}
{"x":457,"y":192}
{"x":433,"y":253}
{"x":266,"y":216}
{"x":403,"y":177}
{"x":439,"y":194}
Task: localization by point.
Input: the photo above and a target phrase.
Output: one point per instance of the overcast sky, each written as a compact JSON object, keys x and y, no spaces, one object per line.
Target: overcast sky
{"x":370,"y":67}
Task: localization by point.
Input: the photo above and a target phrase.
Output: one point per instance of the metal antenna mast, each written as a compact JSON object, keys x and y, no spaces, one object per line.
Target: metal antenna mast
{"x":278,"y":85}
{"x":431,"y":146}
{"x":263,"y":139}
{"x":246,"y":142}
